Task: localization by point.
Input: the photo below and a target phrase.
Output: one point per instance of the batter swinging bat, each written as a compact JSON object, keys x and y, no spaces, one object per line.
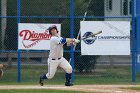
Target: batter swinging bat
{"x":92,"y":35}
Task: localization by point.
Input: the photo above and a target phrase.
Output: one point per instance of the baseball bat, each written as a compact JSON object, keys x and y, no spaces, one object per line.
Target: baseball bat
{"x":92,"y":34}
{"x":85,"y":14}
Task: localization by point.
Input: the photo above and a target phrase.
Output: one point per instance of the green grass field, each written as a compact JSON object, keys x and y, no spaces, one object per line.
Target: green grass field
{"x":39,"y":91}
{"x":30,"y":75}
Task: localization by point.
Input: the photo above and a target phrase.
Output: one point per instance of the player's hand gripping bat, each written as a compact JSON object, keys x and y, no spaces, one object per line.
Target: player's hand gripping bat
{"x":92,"y":35}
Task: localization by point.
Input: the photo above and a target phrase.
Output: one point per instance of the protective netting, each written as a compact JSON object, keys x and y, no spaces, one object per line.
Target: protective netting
{"x":87,"y":69}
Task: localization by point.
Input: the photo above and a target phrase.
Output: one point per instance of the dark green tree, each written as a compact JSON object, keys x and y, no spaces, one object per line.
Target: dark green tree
{"x":96,"y":7}
{"x":85,"y":63}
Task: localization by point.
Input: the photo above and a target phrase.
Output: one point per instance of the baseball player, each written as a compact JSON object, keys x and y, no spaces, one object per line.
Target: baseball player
{"x":1,"y":71}
{"x":56,"y":56}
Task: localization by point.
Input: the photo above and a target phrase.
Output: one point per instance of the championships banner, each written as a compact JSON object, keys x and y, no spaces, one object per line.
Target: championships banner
{"x":105,"y":37}
{"x":34,"y":36}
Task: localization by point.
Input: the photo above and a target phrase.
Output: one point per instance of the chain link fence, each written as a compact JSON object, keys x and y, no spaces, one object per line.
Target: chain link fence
{"x":87,"y":69}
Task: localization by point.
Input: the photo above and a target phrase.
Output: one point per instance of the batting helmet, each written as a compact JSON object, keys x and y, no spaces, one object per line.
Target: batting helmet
{"x":51,"y":27}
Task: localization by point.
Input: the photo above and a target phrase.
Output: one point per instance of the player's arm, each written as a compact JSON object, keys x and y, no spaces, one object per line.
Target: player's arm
{"x":69,"y":41}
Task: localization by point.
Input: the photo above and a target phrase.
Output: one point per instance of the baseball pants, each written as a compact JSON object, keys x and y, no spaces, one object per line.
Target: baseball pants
{"x":53,"y":64}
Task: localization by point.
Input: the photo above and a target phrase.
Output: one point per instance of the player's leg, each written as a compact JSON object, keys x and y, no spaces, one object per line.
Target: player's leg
{"x":67,"y":67}
{"x":1,"y":71}
{"x":52,"y":67}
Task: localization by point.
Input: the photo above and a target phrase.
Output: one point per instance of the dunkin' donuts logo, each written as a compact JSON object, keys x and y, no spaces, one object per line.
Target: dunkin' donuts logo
{"x":31,"y":38}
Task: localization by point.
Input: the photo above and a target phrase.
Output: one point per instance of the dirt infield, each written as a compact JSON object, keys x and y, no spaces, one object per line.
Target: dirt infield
{"x":86,"y":88}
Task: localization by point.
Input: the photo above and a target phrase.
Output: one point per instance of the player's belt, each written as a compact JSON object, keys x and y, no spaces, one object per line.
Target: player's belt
{"x":56,"y":59}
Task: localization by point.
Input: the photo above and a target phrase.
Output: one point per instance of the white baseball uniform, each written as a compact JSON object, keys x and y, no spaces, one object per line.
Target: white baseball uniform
{"x":56,"y":57}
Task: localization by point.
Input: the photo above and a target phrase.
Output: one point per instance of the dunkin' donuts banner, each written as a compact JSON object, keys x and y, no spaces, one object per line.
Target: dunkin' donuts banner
{"x":34,"y":36}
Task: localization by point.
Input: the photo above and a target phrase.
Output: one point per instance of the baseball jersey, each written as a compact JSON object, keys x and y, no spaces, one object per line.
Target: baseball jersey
{"x":56,"y":47}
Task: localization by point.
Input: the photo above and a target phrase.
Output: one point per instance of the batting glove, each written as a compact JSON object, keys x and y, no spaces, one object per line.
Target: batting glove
{"x":76,"y":40}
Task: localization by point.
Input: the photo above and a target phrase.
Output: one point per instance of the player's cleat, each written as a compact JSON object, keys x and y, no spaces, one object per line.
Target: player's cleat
{"x":42,"y":78}
{"x":68,"y":79}
{"x":68,"y":84}
{"x":41,"y":81}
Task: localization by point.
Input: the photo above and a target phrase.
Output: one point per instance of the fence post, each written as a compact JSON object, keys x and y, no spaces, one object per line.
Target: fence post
{"x":18,"y":52}
{"x":72,"y":35}
{"x":138,"y":35}
{"x":133,"y":42}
